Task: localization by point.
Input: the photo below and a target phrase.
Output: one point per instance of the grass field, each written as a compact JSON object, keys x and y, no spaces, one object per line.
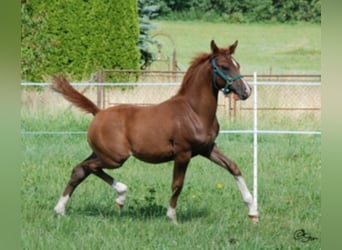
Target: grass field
{"x":209,"y":217}
{"x":265,"y":48}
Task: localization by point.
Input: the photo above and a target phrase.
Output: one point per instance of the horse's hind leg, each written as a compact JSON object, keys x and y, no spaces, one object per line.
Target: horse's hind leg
{"x":78,"y":174}
{"x":92,"y":165}
{"x":119,"y":187}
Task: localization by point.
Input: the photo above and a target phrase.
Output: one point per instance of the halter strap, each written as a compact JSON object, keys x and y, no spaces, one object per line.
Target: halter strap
{"x":228,"y":80}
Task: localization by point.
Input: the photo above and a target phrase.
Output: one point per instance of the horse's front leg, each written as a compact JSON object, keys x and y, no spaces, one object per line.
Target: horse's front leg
{"x":223,"y":161}
{"x":180,"y":165}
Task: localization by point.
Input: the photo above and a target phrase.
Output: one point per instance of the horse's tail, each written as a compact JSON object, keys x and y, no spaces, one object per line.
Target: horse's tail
{"x":61,"y":85}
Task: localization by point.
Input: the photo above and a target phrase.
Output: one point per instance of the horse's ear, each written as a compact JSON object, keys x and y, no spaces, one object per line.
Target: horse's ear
{"x":232,"y":47}
{"x":214,"y":48}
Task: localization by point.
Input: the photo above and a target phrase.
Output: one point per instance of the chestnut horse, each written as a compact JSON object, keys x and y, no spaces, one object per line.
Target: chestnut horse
{"x":175,"y":130}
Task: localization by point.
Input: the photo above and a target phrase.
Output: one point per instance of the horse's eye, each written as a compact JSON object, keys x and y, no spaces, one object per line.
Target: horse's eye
{"x":225,"y":68}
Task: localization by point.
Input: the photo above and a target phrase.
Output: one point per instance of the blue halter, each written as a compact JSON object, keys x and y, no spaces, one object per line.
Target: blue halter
{"x":228,"y":80}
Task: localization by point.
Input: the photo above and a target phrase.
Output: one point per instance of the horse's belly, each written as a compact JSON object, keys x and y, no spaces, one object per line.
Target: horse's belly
{"x":152,"y":152}
{"x":154,"y":158}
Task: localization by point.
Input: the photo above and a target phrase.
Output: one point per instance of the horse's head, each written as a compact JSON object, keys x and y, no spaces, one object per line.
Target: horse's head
{"x":226,"y":72}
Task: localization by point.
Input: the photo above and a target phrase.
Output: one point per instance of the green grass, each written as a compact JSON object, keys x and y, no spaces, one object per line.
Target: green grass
{"x":265,"y":48}
{"x":209,"y":217}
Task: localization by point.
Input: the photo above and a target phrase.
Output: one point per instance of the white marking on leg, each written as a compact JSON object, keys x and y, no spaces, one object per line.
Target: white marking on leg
{"x":121,"y":189}
{"x":171,"y":214}
{"x":246,"y":195}
{"x":60,"y":207}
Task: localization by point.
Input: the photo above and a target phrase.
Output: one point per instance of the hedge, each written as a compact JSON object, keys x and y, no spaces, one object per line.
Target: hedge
{"x":78,"y":37}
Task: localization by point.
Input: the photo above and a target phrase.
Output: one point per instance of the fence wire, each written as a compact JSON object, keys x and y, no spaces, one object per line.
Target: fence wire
{"x":285,"y":104}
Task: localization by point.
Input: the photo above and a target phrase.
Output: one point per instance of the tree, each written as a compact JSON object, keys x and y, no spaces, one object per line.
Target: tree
{"x":147,"y":10}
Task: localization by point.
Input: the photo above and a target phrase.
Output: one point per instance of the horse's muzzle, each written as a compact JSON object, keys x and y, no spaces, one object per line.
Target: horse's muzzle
{"x":245,"y":90}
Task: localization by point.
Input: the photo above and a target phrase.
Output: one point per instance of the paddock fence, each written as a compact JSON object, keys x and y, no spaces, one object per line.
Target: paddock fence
{"x":285,"y":103}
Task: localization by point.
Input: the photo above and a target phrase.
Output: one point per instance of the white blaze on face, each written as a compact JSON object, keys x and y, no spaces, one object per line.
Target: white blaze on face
{"x":248,"y":89}
{"x":234,"y":63}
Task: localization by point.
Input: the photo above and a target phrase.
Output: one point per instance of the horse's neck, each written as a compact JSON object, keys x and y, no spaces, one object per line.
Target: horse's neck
{"x":201,"y":96}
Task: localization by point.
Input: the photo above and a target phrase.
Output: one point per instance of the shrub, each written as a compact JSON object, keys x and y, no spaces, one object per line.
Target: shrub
{"x":82,"y":36}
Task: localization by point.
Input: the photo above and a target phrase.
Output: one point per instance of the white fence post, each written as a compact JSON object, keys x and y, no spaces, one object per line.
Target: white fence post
{"x":255,"y":141}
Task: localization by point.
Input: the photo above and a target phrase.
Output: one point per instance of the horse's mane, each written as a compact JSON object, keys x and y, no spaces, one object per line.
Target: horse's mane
{"x":197,"y":61}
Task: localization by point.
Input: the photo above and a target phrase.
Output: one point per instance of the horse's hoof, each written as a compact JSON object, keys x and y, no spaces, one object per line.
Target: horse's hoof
{"x":60,"y":211}
{"x":254,"y":218}
{"x":173,"y":220}
{"x":118,"y":205}
{"x":171,"y":215}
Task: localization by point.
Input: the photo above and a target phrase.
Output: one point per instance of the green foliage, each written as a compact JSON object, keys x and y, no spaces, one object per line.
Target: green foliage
{"x":297,"y":10}
{"x":35,"y":43}
{"x":147,"y":10}
{"x":236,"y":11}
{"x":82,"y":36}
